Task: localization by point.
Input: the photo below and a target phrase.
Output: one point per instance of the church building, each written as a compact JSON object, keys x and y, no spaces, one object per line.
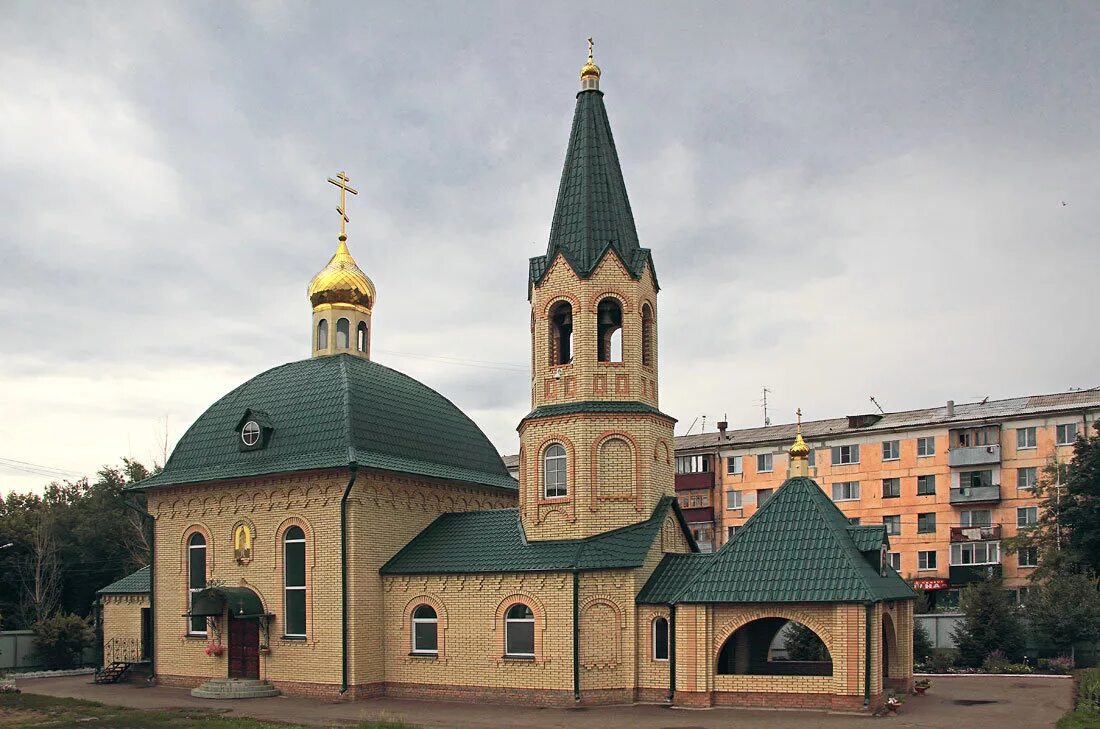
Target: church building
{"x":335,"y":528}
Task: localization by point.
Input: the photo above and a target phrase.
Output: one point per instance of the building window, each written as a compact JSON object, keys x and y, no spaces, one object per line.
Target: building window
{"x":609,"y":330}
{"x":322,"y":334}
{"x":692,"y":464}
{"x":892,"y":524}
{"x":343,"y":334}
{"x":891,"y":488}
{"x":648,"y":355}
{"x":975,"y":479}
{"x":853,"y":520}
{"x":561,"y":334}
{"x":926,"y":523}
{"x":425,"y":630}
{"x":764,"y":463}
{"x":730,"y":531}
{"x":762,"y":495}
{"x":976,"y":518}
{"x":846,"y":491}
{"x":976,"y":553}
{"x":294,"y":565}
{"x":926,"y":446}
{"x":519,"y":631}
{"x":1065,"y":434}
{"x":733,"y":500}
{"x":811,"y":458}
{"x":845,"y":454}
{"x":361,"y":337}
{"x":926,"y":485}
{"x":1027,"y":516}
{"x":250,"y":433}
{"x":555,"y":482}
{"x":926,"y":560}
{"x":1027,"y":478}
{"x":895,"y":560}
{"x":660,"y":639}
{"x":734,"y":466}
{"x":1027,"y":557}
{"x":891,"y":450}
{"x":196,"y":579}
{"x":1025,"y":438}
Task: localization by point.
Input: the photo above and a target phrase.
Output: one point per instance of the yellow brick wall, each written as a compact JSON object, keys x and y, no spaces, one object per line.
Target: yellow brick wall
{"x":121,"y":619}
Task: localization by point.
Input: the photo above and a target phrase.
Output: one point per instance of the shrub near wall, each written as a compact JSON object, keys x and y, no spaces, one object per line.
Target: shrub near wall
{"x":1087,"y":696}
{"x":60,"y":641}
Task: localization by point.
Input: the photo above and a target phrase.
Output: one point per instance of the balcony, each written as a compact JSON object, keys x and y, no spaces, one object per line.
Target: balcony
{"x":976,"y":534}
{"x":976,"y":494}
{"x":965,"y":574}
{"x":699,"y":515}
{"x":974,"y":456}
{"x":691,"y":481}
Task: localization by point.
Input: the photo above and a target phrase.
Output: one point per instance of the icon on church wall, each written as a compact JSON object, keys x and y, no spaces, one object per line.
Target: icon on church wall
{"x":242,"y":543}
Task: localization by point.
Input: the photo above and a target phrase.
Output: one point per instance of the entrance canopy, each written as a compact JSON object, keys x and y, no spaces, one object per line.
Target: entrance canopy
{"x":240,"y":601}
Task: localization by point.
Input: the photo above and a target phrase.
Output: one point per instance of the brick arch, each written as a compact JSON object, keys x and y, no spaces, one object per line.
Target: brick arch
{"x":891,"y":663}
{"x":625,"y":302}
{"x":651,"y":617}
{"x":197,"y":528}
{"x":311,"y":561}
{"x":601,"y":644}
{"x":441,"y":620}
{"x":660,"y":452}
{"x":732,"y":626}
{"x":558,"y":298}
{"x":636,"y":466}
{"x":537,"y":610}
{"x":571,"y":473}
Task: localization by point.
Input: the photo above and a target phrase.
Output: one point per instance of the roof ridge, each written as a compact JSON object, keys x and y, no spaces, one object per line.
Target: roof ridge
{"x":346,"y":396}
{"x":848,"y":546}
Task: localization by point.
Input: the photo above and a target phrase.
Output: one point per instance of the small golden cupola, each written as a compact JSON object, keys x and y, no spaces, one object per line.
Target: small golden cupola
{"x":799,"y":452}
{"x":590,"y":72}
{"x":342,"y":295}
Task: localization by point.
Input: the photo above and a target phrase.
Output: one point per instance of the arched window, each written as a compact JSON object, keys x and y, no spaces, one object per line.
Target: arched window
{"x":561,"y":334}
{"x":519,"y":631}
{"x":774,"y":647}
{"x":555,"y":463}
{"x":425,"y":630}
{"x":322,"y":334}
{"x":343,"y":334}
{"x":609,"y":330}
{"x":660,"y":639}
{"x":294,"y":582}
{"x":196,"y":579}
{"x":648,"y":355}
{"x":361,"y":337}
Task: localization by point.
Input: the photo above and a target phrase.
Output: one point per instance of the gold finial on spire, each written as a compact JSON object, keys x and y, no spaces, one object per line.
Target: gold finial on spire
{"x":341,"y":181}
{"x":590,"y":70}
{"x":799,"y":451}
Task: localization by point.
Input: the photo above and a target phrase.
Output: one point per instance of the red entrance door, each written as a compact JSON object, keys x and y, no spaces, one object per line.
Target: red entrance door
{"x":244,"y":648}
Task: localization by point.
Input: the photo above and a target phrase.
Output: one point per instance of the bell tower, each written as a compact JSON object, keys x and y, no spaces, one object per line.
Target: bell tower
{"x":596,"y":453}
{"x":342,"y":295}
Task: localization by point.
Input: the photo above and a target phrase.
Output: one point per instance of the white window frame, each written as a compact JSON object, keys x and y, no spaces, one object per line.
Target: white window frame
{"x":738,"y":464}
{"x":192,"y":591}
{"x":698,"y":463}
{"x":927,"y":444}
{"x":768,"y":459}
{"x":839,"y":451}
{"x":1029,"y":551}
{"x":1029,"y":483}
{"x":564,"y":471}
{"x":893,"y":447}
{"x":894,"y":558}
{"x":734,"y":500}
{"x":667,"y":638}
{"x":922,"y":557}
{"x":294,"y":588}
{"x":894,"y":519}
{"x":1029,"y":438}
{"x":510,"y":621}
{"x":966,"y":518}
{"x":425,"y":621}
{"x":1026,"y":512}
{"x":992,"y":552}
{"x":1059,"y":429}
{"x":926,"y":476}
{"x":250,"y":433}
{"x":935,"y":523}
{"x":849,"y":489}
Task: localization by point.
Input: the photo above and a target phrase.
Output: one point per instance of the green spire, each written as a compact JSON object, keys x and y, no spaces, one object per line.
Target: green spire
{"x":592,"y":214}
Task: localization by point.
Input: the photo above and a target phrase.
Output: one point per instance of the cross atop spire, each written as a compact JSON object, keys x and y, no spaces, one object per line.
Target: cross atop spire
{"x":341,"y":181}
{"x":590,"y":72}
{"x":799,"y":452}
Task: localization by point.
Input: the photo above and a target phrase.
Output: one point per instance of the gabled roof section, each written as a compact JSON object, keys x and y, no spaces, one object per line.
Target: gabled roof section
{"x":493,"y":541}
{"x":592,"y":216}
{"x":675,"y":573}
{"x":137,"y":583}
{"x":335,"y":412}
{"x":798,"y":547}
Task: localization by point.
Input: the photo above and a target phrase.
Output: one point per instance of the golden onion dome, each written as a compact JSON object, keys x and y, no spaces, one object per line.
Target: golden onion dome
{"x":799,"y":449}
{"x":342,"y":282}
{"x":590,"y":69}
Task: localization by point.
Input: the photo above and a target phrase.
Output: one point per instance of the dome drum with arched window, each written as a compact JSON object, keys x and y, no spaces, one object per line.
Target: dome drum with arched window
{"x":342,"y":297}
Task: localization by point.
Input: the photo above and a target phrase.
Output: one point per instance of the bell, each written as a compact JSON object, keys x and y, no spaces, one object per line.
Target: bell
{"x":607,"y":318}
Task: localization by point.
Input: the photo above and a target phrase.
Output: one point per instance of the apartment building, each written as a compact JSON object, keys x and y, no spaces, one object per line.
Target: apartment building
{"x":950,"y":483}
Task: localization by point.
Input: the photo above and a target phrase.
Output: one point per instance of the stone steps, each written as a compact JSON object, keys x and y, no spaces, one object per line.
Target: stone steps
{"x":235,"y":688}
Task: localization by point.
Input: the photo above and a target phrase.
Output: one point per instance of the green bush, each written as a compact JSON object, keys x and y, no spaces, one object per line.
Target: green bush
{"x":59,"y":641}
{"x":1080,"y":719}
{"x":922,"y":643}
{"x":942,"y":660}
{"x":1088,"y":690}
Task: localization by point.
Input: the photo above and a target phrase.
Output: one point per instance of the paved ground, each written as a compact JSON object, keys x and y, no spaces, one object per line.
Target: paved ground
{"x":973,"y":702}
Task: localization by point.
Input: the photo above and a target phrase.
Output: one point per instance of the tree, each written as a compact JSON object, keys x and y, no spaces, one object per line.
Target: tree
{"x":803,"y":644}
{"x":990,"y":623}
{"x":1065,"y":610}
{"x":60,"y":641}
{"x":1067,"y":536}
{"x":922,"y":643}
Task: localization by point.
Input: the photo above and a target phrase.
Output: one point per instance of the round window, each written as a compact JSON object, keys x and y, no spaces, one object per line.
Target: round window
{"x":250,"y":433}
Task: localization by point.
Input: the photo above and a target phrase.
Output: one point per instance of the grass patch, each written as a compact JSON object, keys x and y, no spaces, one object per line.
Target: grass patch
{"x":24,"y":711}
{"x":1080,"y":719}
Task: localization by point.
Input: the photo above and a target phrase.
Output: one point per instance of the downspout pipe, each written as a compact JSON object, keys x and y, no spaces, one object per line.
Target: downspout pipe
{"x":867,"y":655}
{"x":353,"y":471}
{"x":149,"y":524}
{"x":576,"y":636}
{"x":671,"y":653}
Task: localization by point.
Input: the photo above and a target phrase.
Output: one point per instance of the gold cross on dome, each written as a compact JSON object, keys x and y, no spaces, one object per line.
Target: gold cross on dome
{"x":341,"y":181}
{"x":590,"y":44}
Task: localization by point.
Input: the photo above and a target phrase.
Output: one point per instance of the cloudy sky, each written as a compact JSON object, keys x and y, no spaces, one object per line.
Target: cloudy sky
{"x":843,"y":199}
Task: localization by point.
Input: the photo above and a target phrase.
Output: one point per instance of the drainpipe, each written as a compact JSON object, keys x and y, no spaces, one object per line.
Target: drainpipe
{"x":576,"y":636}
{"x":149,"y":523}
{"x":867,"y":656}
{"x":671,"y":653}
{"x":353,"y":470}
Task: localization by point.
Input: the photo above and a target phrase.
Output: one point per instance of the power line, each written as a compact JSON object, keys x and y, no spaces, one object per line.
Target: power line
{"x":485,"y":364}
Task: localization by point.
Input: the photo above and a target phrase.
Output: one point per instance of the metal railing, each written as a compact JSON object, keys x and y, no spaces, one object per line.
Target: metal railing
{"x":123,"y":650}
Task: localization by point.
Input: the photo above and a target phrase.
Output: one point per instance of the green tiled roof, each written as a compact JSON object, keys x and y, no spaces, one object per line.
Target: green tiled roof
{"x":798,"y":547}
{"x":675,"y":573}
{"x":330,"y":412}
{"x":592,"y":215}
{"x":594,"y":406}
{"x":135,"y":584}
{"x":493,"y":541}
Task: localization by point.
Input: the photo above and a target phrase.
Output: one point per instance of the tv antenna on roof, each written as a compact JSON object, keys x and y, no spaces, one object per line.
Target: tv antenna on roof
{"x":883,"y":412}
{"x":767,"y":420}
